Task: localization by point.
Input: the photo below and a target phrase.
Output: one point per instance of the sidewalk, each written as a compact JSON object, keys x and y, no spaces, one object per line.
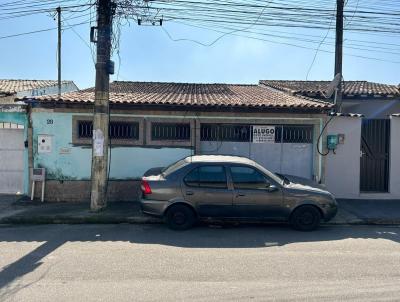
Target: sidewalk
{"x":17,"y":210}
{"x":24,"y":211}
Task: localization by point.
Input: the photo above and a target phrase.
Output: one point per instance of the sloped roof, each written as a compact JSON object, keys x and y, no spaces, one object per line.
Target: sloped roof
{"x":10,"y":87}
{"x":319,"y":88}
{"x":189,"y":94}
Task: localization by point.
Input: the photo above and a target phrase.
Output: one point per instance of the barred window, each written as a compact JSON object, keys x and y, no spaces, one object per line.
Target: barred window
{"x":170,"y":131}
{"x":294,"y":134}
{"x":85,"y":129}
{"x":225,"y":132}
{"x":118,"y":130}
{"x":7,"y":125}
{"x":302,"y":134}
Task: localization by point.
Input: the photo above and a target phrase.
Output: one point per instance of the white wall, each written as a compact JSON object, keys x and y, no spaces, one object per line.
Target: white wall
{"x":394,"y":182}
{"x":65,"y":87}
{"x":342,"y":170}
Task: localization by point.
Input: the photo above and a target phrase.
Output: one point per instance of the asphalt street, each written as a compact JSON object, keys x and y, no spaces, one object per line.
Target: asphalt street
{"x":238,"y":263}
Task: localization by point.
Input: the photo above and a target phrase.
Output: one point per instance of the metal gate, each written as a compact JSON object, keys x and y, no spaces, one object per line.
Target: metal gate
{"x":375,"y":144}
{"x":11,"y":160}
{"x":291,"y":151}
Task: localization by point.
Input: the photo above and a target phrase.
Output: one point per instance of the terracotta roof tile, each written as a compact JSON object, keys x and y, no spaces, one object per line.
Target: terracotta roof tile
{"x":185,"y":94}
{"x":13,"y":86}
{"x":351,"y":88}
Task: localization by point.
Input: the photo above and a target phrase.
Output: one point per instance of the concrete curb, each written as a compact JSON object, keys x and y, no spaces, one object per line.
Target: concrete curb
{"x":60,"y":219}
{"x":78,"y":220}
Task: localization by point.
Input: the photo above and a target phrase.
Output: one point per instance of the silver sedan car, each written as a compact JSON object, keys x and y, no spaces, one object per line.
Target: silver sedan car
{"x":216,"y":186}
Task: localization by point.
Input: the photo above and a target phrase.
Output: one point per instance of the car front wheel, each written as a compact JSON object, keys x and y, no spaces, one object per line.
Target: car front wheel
{"x":180,"y":217}
{"x":305,"y":218}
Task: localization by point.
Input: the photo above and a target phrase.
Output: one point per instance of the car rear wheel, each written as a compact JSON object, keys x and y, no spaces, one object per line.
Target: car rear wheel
{"x":180,"y":217}
{"x":305,"y":218}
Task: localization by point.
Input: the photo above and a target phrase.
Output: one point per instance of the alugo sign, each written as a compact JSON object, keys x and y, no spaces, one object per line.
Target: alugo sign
{"x":263,"y":134}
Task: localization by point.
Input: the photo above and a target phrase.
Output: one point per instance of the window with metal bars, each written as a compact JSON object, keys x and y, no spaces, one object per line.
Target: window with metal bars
{"x":225,"y":132}
{"x":170,"y":132}
{"x":302,"y":134}
{"x":118,"y":130}
{"x":7,"y":125}
{"x":294,"y":134}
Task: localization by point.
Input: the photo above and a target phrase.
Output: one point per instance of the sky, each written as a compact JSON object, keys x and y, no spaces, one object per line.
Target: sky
{"x":147,"y":53}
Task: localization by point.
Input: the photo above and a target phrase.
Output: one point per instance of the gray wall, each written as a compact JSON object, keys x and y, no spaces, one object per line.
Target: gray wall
{"x":372,"y":108}
{"x":287,"y":158}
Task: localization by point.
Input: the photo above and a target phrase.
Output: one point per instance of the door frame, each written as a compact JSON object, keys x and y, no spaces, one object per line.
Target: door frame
{"x":21,"y":131}
{"x":364,"y":162}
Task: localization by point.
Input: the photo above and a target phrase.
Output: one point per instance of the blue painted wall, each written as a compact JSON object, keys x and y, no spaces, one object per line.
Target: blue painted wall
{"x":18,"y":115}
{"x":69,"y":162}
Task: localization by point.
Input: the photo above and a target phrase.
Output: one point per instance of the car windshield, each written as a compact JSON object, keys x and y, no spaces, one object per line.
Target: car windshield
{"x":173,"y":167}
{"x":283,"y":177}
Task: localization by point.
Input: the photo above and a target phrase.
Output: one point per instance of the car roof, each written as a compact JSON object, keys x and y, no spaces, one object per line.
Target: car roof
{"x":219,"y":159}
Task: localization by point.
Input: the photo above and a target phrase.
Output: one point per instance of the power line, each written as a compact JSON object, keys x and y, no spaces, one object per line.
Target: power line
{"x":293,"y":45}
{"x":40,"y":31}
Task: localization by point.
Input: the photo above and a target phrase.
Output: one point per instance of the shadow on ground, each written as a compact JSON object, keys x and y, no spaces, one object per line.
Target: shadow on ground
{"x":204,"y":236}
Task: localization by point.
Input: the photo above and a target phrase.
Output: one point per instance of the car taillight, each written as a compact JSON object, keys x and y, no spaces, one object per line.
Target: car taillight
{"x":145,"y":186}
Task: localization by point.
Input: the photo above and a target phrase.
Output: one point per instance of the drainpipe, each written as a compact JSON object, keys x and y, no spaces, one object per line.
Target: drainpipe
{"x":30,"y":145}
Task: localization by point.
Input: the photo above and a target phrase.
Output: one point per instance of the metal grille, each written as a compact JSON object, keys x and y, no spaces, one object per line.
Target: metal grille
{"x":118,"y":130}
{"x":375,"y":137}
{"x":85,"y":129}
{"x":170,"y":131}
{"x":7,"y":125}
{"x":298,"y":134}
{"x":242,"y":133}
{"x":226,"y":133}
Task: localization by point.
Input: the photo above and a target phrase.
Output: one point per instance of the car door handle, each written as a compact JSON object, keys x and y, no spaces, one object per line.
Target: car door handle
{"x":189,"y":193}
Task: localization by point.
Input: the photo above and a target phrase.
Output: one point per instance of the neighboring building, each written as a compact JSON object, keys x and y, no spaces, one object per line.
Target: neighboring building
{"x":155,"y":124}
{"x":369,"y":166}
{"x":13,"y":129}
{"x":373,"y":100}
{"x":11,"y":89}
{"x":13,"y":151}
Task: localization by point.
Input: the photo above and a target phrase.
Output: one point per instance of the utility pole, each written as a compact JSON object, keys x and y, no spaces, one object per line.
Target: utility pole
{"x":59,"y":50}
{"x":339,"y":48}
{"x":105,"y":10}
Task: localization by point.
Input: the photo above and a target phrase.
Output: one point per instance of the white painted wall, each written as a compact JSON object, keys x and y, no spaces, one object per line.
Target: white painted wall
{"x":65,"y":87}
{"x":394,"y":182}
{"x":342,"y":170}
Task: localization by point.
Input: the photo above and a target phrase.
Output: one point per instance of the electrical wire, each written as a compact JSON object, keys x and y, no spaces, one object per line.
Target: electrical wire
{"x":41,"y":30}
{"x":319,"y":46}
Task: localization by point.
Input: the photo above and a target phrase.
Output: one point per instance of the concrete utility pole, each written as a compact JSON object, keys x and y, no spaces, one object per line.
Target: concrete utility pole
{"x":59,"y":50}
{"x":339,"y":47}
{"x":101,"y":106}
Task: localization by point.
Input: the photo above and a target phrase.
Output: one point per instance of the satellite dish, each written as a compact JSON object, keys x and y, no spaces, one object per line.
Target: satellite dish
{"x":333,"y":85}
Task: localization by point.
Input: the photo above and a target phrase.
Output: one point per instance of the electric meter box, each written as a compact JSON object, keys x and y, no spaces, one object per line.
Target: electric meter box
{"x":332,"y":142}
{"x":45,"y":143}
{"x":38,"y":174}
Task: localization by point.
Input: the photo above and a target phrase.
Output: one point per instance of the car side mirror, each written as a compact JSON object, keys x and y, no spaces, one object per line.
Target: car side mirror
{"x":271,"y":188}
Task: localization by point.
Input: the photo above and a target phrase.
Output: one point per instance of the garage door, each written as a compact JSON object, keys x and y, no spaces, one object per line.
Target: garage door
{"x":11,"y":158}
{"x":288,"y":151}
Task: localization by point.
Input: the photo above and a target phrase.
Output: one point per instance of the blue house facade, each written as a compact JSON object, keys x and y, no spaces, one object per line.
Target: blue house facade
{"x":156,"y":124}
